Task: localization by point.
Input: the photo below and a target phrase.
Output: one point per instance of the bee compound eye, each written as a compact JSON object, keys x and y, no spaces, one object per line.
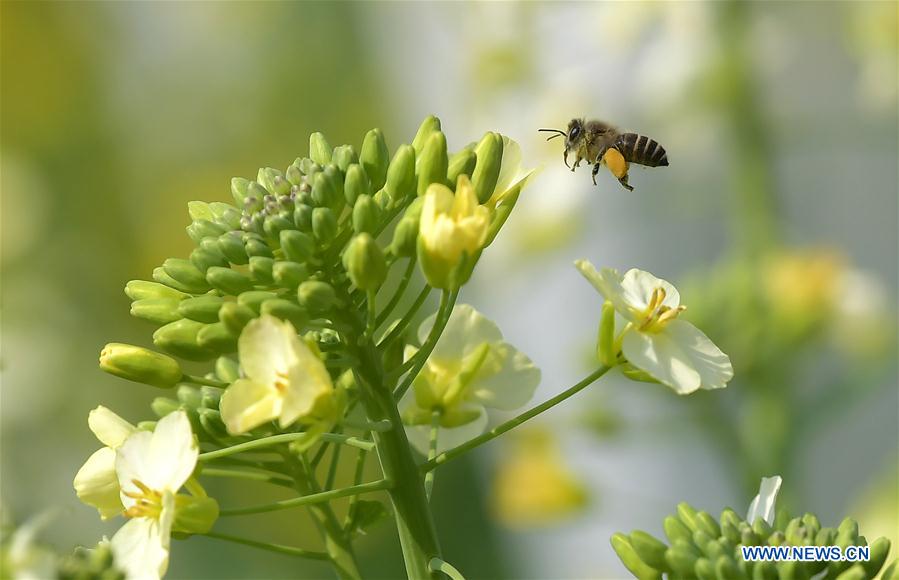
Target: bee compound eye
{"x":575,"y":131}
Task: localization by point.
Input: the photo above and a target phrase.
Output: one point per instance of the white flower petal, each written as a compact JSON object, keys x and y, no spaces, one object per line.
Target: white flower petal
{"x":420,"y":435}
{"x":713,"y":366}
{"x":608,"y":283}
{"x":266,"y":348}
{"x":162,"y":460}
{"x":247,"y":404}
{"x":762,"y":505}
{"x":109,"y":428}
{"x":465,"y":331}
{"x":97,"y":485}
{"x":663,"y":358}
{"x":506,"y":380}
{"x":141,"y":549}
{"x":308,"y":381}
{"x":639,"y":287}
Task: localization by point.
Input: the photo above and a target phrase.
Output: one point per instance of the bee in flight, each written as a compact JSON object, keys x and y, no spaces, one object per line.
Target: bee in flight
{"x":600,"y":143}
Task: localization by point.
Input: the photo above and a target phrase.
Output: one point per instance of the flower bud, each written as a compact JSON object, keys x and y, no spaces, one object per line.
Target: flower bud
{"x":302,"y":217}
{"x":285,"y":310}
{"x":254,"y":299}
{"x":194,"y":515}
{"x":365,"y":215}
{"x":364,"y":262}
{"x":297,"y":246}
{"x":429,"y":126}
{"x":605,"y":344}
{"x":217,"y":337}
{"x":239,"y":190}
{"x":162,"y":406}
{"x":156,"y":310}
{"x":319,"y":150}
{"x":200,"y":229}
{"x":202,"y":308}
{"x":140,"y":365}
{"x":232,"y":247}
{"x":383,"y":200}
{"x":228,"y":281}
{"x":257,"y":247}
{"x":356,"y":184}
{"x":261,"y":269}
{"x":675,"y":529}
{"x":405,"y":236}
{"x":622,"y":546}
{"x":489,"y":152}
{"x":316,"y":296}
{"x":203,"y":259}
{"x":375,"y":158}
{"x":401,"y":181}
{"x":324,"y":225}
{"x":344,"y":156}
{"x":462,"y":163}
{"x":141,"y":289}
{"x":160,"y":276}
{"x":180,"y":339}
{"x":431,"y":164}
{"x":649,"y":549}
{"x":187,"y":274}
{"x":289,"y":274}
{"x":235,"y":316}
{"x":274,"y":225}
{"x":227,"y":369}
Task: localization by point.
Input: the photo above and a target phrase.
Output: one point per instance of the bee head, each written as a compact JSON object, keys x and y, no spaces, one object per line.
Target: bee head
{"x":575,"y":135}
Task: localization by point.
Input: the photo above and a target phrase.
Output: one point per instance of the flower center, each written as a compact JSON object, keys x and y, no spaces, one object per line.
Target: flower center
{"x":657,"y":315}
{"x":281,"y":381}
{"x":149,"y":502}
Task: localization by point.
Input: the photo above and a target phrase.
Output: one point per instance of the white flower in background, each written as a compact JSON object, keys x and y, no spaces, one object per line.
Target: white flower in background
{"x":151,"y":468}
{"x":24,"y":558}
{"x":96,"y":483}
{"x":285,"y":380}
{"x":762,"y":505}
{"x":655,"y":340}
{"x":470,"y":370}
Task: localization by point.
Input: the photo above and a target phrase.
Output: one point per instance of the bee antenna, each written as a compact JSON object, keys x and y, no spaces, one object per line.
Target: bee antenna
{"x":557,"y":132}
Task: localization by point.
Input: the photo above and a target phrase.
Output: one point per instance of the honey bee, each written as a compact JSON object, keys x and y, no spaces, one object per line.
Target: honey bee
{"x":602,"y":144}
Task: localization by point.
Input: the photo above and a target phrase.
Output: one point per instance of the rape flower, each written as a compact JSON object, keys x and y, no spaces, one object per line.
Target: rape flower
{"x":452,"y":226}
{"x":762,"y":505}
{"x":512,"y":178}
{"x":655,"y":340}
{"x":151,"y":468}
{"x":285,"y":379}
{"x":470,"y":370}
{"x":96,"y":483}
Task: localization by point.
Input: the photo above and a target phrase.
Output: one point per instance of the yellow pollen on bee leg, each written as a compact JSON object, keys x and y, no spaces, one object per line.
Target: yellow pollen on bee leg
{"x":615,"y":162}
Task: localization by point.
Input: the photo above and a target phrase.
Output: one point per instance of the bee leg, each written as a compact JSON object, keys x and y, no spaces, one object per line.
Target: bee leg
{"x":595,"y":171}
{"x":623,"y":181}
{"x":565,"y":159}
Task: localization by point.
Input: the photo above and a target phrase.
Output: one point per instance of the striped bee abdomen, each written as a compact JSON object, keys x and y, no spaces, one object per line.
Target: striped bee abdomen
{"x":641,"y":149}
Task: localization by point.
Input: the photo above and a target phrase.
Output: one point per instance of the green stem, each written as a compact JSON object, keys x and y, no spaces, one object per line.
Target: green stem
{"x":285,"y":438}
{"x":432,"y":452}
{"x":289,"y":550}
{"x":438,"y":565}
{"x":515,"y":422}
{"x":447,"y":301}
{"x":312,"y":499}
{"x":204,"y":381}
{"x":357,"y":479}
{"x":397,"y":330}
{"x":372,"y":313}
{"x":240,"y":474}
{"x":398,"y":293}
{"x":332,"y":468}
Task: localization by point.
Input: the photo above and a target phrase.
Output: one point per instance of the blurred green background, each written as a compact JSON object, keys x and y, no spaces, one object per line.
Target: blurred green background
{"x":777,"y":218}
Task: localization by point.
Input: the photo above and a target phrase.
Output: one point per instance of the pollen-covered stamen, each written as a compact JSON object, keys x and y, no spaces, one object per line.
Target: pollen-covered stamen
{"x":281,"y":381}
{"x":657,"y":314}
{"x":148,"y":502}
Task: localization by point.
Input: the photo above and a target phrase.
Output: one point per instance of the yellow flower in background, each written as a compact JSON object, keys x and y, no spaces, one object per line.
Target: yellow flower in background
{"x":803,"y":285}
{"x":470,"y":370}
{"x":96,"y":483}
{"x":285,"y":380}
{"x":655,"y":340}
{"x":451,"y":227}
{"x":533,"y":486}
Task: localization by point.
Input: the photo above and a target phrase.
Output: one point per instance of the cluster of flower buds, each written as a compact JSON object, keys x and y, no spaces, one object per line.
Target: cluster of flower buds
{"x":705,"y":548}
{"x":89,"y":564}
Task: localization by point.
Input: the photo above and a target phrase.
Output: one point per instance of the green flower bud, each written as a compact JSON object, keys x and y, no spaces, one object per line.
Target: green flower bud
{"x":324,"y":190}
{"x":854,"y":572}
{"x":232,"y":247}
{"x":316,"y":296}
{"x":180,"y":339}
{"x":199,"y":210}
{"x":319,"y":150}
{"x":200,"y":229}
{"x":324,"y":225}
{"x":892,"y":571}
{"x":681,"y":561}
{"x":364,"y":262}
{"x":687,"y":514}
{"x":462,"y":163}
{"x":880,"y":549}
{"x":228,"y":281}
{"x":605,"y":344}
{"x":194,"y":515}
{"x":141,"y":289}
{"x":257,"y":247}
{"x":707,"y":524}
{"x":186,"y":274}
{"x":140,"y":365}
{"x":190,"y":396}
{"x":374,"y":158}
{"x":764,"y":571}
{"x":157,"y":310}
{"x":297,"y":246}
{"x":285,"y":310}
{"x":235,"y":316}
{"x":239,"y":190}
{"x":290,"y":274}
{"x":366,"y":215}
{"x":227,"y":369}
{"x":649,"y":549}
{"x":489,"y":152}
{"x":431,"y":164}
{"x":825,"y":537}
{"x":254,"y":299}
{"x":676,"y":530}
{"x":355,"y":184}
{"x":704,"y":569}
{"x":405,"y":236}
{"x":273,"y":225}
{"x":344,"y":156}
{"x":162,"y":406}
{"x":211,"y":397}
{"x":217,"y":337}
{"x":302,"y":217}
{"x":622,"y":546}
{"x":265,"y":177}
{"x":160,"y":276}
{"x":294,"y":174}
{"x":203,"y":259}
{"x":261,"y":269}
{"x":201,"y":308}
{"x":401,"y":181}
{"x":383,"y":200}
{"x":429,"y":126}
